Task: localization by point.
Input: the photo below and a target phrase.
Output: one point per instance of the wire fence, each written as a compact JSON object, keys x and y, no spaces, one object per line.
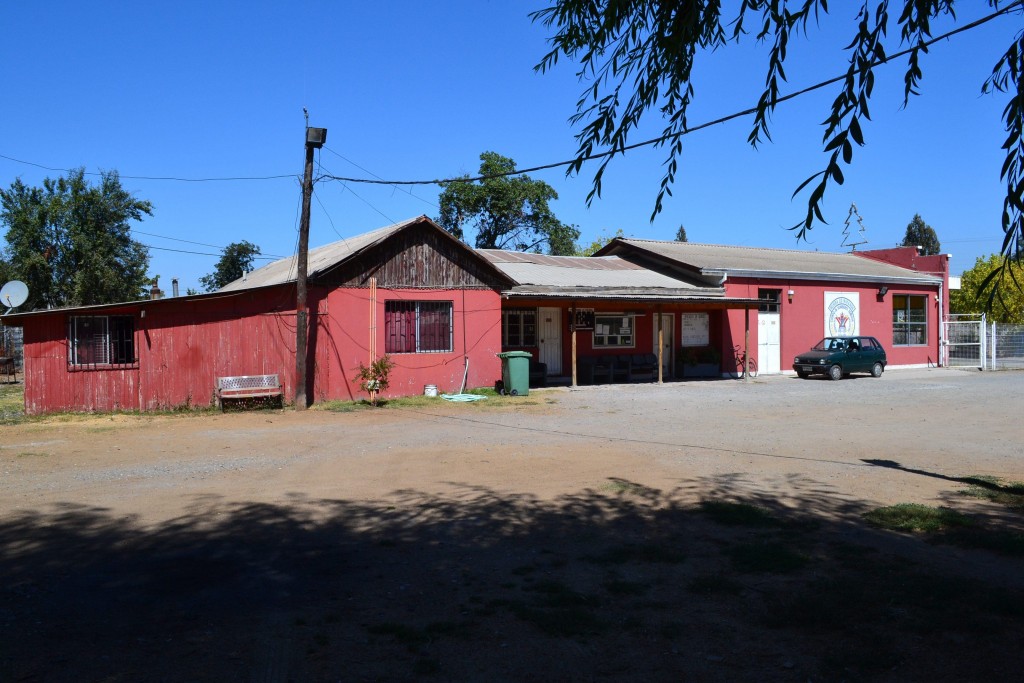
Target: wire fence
{"x":965,"y":343}
{"x":1005,"y":346}
{"x":973,"y":342}
{"x":12,"y":345}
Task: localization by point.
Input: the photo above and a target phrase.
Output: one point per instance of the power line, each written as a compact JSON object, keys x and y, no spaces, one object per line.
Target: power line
{"x":1016,"y":5}
{"x":346,"y":187}
{"x":674,"y":136}
{"x":202,"y":244}
{"x":143,"y":177}
{"x":205,"y":253}
{"x":365,"y":170}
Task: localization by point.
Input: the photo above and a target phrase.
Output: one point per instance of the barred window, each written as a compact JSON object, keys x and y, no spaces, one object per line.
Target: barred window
{"x":417,"y":326}
{"x":101,"y":340}
{"x":519,"y":327}
{"x":909,"y":320}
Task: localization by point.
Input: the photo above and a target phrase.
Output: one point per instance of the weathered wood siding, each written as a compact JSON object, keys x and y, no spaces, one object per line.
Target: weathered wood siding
{"x":181,"y":346}
{"x":51,"y":386}
{"x":184,"y":347}
{"x":419,"y":257}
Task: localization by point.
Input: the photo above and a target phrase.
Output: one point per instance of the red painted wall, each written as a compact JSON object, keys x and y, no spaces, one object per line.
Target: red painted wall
{"x":476,"y":322}
{"x":183,"y":345}
{"x":644,"y":330}
{"x":803,"y":320}
{"x":908,"y":257}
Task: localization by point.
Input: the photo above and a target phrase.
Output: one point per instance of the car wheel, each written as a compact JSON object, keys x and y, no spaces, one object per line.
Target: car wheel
{"x":876,"y":370}
{"x":835,"y":373}
{"x":803,"y":375}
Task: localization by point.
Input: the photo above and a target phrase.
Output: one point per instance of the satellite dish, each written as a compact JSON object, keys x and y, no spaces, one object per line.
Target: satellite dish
{"x":14,"y":293}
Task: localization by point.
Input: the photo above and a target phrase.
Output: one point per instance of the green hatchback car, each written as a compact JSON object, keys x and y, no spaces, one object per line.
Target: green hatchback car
{"x":839,"y":356}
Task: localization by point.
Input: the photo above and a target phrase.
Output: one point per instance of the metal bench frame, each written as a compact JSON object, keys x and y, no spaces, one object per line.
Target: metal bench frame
{"x":248,"y":386}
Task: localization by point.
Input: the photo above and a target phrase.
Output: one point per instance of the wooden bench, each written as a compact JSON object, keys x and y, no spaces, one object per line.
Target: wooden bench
{"x":249,"y":386}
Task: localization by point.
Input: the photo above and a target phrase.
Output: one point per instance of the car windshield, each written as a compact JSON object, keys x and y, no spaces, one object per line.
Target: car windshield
{"x":830,"y":344}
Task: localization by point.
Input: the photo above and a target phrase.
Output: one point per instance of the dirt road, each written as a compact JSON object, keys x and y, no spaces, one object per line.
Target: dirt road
{"x":513,"y":539}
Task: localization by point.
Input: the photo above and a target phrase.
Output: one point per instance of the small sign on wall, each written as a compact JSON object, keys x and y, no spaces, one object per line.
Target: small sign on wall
{"x":696,"y":329}
{"x":842,"y":314}
{"x":583,"y":319}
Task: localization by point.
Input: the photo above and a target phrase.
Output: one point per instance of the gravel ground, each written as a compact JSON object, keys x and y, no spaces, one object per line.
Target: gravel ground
{"x":310,"y":546}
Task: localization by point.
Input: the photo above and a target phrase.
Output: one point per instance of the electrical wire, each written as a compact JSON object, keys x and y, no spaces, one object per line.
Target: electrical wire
{"x":674,"y":136}
{"x":143,"y":177}
{"x":1016,"y":5}
{"x":365,"y":170}
{"x":206,"y":253}
{"x":202,"y":244}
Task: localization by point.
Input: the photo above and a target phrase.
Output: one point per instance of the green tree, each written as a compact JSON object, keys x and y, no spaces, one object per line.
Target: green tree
{"x":974,"y":296}
{"x":507,"y":211}
{"x":920,"y":234}
{"x":235,"y":261}
{"x":681,"y":234}
{"x":70,"y":241}
{"x":639,"y":57}
{"x":601,"y":240}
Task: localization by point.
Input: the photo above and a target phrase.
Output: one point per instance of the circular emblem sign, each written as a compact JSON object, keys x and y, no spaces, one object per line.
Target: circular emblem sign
{"x":842,"y":317}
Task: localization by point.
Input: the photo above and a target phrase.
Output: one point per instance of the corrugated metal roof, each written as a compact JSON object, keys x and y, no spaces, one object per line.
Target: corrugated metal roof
{"x":540,"y":270}
{"x":592,"y":277}
{"x":711,"y":259}
{"x":320,"y":259}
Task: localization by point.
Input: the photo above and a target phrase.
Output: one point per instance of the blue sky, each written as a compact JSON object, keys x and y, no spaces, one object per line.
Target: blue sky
{"x":411,"y":90}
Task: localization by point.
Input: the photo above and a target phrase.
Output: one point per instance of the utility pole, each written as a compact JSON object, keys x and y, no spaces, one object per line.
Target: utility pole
{"x":315,"y":139}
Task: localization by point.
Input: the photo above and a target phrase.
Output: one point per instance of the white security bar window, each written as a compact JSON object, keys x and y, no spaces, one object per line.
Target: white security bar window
{"x":101,"y":340}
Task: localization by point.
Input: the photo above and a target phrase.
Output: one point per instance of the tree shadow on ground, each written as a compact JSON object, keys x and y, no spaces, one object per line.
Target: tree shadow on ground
{"x":624,"y":582}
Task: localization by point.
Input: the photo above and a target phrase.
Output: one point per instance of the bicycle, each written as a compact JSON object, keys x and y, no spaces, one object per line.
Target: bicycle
{"x":742,"y":371}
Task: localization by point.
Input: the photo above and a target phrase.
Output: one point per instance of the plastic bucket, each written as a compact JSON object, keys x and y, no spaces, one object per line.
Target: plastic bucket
{"x":430,"y":390}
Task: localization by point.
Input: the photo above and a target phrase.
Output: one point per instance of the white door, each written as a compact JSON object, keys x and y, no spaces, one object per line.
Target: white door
{"x":667,"y":343}
{"x":550,"y":342}
{"x":769,"y":326}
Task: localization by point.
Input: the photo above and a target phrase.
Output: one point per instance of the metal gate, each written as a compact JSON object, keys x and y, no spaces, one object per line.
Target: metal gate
{"x":965,"y":341}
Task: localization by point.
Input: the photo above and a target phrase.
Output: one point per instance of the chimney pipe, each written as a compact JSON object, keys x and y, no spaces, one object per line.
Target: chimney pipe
{"x":174,"y":287}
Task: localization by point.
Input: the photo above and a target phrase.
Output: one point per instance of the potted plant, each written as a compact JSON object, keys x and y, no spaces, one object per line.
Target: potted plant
{"x":700,"y":361}
{"x":374,"y":379}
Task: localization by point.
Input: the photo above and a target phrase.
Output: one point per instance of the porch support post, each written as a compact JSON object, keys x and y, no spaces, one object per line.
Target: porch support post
{"x":746,"y":344}
{"x":572,"y":326}
{"x":661,"y":345}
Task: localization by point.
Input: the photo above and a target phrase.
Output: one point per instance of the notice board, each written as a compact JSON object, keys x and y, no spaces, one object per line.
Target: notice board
{"x":695,"y":329}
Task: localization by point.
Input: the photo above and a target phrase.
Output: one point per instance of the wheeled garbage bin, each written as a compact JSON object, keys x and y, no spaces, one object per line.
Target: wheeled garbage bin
{"x":515,"y":372}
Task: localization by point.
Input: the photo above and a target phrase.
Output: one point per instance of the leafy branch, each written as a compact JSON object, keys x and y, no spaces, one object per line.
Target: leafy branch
{"x":638,"y":56}
{"x":1006,"y":78}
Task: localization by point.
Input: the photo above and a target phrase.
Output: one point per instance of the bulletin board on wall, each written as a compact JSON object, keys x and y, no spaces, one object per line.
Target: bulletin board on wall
{"x":696,"y":329}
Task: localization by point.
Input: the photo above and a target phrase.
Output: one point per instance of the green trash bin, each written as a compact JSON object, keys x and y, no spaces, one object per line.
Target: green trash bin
{"x":515,"y":372}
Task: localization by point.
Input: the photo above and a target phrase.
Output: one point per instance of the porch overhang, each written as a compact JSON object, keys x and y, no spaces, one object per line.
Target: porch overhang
{"x":687,"y":298}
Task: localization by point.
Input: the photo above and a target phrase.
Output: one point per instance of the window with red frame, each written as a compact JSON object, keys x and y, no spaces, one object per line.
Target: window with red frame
{"x":417,"y":326}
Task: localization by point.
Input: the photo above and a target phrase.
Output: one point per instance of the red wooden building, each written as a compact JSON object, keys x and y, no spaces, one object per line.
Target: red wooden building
{"x":442,"y":311}
{"x":435,"y":307}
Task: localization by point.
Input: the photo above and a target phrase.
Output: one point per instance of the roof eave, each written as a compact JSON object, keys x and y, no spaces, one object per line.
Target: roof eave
{"x":808,"y":275}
